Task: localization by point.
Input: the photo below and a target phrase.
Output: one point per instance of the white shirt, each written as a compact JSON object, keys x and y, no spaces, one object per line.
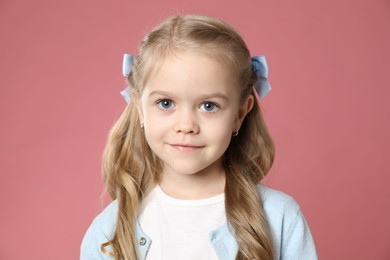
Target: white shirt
{"x":179,"y":229}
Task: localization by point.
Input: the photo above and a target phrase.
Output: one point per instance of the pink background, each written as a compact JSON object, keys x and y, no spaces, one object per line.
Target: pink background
{"x":60,"y":64}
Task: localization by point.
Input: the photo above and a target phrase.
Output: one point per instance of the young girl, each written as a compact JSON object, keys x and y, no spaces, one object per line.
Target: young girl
{"x":184,"y":161}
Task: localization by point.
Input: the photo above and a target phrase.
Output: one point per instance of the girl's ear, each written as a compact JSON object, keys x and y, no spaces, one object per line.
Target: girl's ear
{"x":137,"y":102}
{"x":245,"y":108}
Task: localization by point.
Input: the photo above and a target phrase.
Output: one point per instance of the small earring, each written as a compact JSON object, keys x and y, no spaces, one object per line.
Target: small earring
{"x":142,"y":126}
{"x":236,"y":132}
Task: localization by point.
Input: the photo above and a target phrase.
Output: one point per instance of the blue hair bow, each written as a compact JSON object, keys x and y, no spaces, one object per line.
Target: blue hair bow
{"x":259,"y":65}
{"x":126,"y":70}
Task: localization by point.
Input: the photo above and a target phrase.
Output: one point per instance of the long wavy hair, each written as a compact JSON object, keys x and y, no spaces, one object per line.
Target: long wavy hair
{"x":130,"y":168}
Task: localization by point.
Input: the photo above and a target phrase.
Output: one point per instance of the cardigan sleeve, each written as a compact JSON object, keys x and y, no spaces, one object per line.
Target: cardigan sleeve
{"x":90,"y":246}
{"x":100,"y":231}
{"x":297,"y":241}
{"x":290,"y":231}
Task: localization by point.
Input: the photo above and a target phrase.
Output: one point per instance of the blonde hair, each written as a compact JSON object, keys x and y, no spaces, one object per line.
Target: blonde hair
{"x":130,"y":168}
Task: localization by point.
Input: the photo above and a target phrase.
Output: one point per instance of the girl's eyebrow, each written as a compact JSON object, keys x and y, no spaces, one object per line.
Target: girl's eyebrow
{"x":205,"y":96}
{"x":214,"y":95}
{"x":159,"y":92}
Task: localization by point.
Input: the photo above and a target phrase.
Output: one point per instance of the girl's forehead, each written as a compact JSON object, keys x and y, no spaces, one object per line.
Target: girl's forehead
{"x":189,"y":57}
{"x":190,"y":71}
{"x":158,"y":58}
{"x":191,"y":67}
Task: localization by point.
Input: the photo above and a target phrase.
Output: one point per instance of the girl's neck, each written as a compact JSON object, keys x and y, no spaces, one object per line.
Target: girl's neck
{"x":194,"y":186}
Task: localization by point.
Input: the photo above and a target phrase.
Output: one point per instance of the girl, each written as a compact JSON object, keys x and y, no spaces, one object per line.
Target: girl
{"x":184,"y":160}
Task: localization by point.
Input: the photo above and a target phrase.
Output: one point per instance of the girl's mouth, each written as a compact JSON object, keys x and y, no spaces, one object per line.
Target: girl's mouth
{"x":186,"y":147}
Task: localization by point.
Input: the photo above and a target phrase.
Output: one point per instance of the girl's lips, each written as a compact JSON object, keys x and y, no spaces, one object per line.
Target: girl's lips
{"x":186,"y":147}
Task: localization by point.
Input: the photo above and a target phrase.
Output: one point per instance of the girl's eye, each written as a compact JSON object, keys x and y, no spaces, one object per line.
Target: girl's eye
{"x":165,"y":104}
{"x":209,"y":107}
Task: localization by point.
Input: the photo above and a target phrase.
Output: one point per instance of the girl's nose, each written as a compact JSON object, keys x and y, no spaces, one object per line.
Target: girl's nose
{"x":186,"y":123}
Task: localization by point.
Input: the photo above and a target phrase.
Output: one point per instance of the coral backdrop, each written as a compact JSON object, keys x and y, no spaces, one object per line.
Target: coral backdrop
{"x":60,"y":65}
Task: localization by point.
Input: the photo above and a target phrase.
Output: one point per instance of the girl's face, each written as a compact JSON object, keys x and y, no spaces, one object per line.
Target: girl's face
{"x":190,"y":107}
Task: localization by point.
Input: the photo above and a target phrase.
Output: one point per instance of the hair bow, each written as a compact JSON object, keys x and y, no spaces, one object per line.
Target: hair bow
{"x":126,"y":70}
{"x":259,"y":66}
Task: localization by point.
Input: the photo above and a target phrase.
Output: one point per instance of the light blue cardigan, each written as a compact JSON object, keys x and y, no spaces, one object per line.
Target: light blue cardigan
{"x":291,"y":234}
